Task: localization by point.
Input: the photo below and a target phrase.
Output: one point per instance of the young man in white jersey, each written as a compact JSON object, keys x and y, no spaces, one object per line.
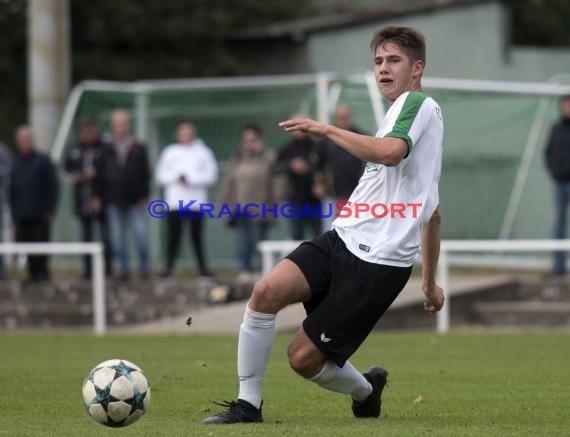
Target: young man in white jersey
{"x":349,"y":276}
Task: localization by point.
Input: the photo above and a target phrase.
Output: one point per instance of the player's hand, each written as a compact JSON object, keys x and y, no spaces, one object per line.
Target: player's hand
{"x":305,"y":125}
{"x":77,"y":177}
{"x":319,"y":190}
{"x":434,"y":298}
{"x":89,"y":173}
{"x":96,"y":205}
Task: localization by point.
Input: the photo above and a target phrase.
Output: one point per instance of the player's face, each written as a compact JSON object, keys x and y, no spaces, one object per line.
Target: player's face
{"x":565,"y":107}
{"x":24,"y":140}
{"x":250,"y":141}
{"x":395,"y":73}
{"x":343,"y":117}
{"x":121,"y":124}
{"x":186,"y":133}
{"x":88,"y":135}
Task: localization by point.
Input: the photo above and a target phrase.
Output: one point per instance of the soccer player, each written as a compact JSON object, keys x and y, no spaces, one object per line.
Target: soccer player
{"x":349,"y":276}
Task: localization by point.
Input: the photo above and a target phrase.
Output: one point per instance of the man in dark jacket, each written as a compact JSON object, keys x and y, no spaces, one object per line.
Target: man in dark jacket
{"x":5,"y":170}
{"x":342,"y":169}
{"x":33,"y":197}
{"x":300,"y":160}
{"x":80,"y":164}
{"x":558,"y":163}
{"x":122,"y":184}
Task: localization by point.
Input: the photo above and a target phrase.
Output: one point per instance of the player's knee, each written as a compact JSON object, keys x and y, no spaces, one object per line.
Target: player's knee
{"x":301,"y":360}
{"x":263,"y":298}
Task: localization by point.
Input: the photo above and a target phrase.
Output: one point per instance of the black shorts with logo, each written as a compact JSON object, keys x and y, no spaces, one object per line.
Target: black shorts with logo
{"x":349,"y":295}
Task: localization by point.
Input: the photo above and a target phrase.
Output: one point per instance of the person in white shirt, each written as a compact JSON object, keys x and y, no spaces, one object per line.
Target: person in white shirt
{"x":349,"y":276}
{"x":186,"y":169}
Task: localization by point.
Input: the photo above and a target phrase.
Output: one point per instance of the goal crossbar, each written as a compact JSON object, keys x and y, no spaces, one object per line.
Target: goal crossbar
{"x":150,"y":86}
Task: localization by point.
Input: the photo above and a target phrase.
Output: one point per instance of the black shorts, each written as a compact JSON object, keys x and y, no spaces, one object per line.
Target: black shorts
{"x":349,"y":295}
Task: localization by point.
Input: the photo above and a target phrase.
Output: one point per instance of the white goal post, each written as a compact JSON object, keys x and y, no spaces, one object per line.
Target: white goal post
{"x":269,"y":248}
{"x":321,"y":81}
{"x":95,"y":250}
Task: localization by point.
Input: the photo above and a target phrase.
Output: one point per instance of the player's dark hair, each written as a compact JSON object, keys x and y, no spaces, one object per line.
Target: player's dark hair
{"x":252,"y":127}
{"x":408,"y":39}
{"x":564,"y":97}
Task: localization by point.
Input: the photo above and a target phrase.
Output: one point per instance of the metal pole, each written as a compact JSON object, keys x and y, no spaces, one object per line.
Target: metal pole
{"x":99,"y":312}
{"x":48,"y":59}
{"x":266,"y":260}
{"x":443,"y":281}
{"x":141,"y":116}
{"x":66,"y":123}
{"x":322,"y":98}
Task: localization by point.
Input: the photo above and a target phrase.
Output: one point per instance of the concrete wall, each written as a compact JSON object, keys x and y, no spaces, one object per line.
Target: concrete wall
{"x":464,"y":42}
{"x":529,"y":63}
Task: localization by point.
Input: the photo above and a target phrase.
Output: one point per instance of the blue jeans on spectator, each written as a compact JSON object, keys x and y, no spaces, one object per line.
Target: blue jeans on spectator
{"x":328,"y":206}
{"x":301,"y":219}
{"x":250,"y":232}
{"x":119,"y":219}
{"x":561,"y":200}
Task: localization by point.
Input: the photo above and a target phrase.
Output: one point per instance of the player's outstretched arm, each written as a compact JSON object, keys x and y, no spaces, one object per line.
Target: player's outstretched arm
{"x":385,"y":151}
{"x":430,"y":256}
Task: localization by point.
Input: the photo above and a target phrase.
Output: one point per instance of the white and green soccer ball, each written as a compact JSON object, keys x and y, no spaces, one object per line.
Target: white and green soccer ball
{"x":116,"y":393}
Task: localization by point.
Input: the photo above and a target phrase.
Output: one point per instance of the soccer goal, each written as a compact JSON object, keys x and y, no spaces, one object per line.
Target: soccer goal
{"x":493,"y":185}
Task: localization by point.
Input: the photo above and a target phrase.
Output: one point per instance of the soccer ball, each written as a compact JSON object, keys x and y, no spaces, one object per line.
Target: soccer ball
{"x":116,"y":393}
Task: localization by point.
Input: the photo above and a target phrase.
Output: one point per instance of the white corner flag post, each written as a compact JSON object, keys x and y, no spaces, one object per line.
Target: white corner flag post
{"x":443,"y":280}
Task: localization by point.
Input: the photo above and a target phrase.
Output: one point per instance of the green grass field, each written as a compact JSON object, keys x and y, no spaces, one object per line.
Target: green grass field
{"x":471,"y":384}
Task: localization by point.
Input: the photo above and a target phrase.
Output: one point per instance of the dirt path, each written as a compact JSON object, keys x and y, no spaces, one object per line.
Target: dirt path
{"x":226,"y":319}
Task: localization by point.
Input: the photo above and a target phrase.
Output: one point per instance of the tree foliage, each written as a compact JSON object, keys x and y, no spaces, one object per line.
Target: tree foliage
{"x":135,"y":39}
{"x":143,"y":39}
{"x":13,"y":71}
{"x":540,"y":22}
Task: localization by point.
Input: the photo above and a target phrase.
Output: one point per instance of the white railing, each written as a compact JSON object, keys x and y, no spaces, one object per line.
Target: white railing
{"x":98,"y":272}
{"x":282,"y":248}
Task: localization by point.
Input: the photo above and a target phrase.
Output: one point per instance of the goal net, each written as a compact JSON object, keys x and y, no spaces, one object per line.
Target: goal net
{"x":494,"y":183}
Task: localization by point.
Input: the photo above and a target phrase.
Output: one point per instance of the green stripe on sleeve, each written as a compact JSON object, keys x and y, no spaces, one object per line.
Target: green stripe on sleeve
{"x":403,"y":124}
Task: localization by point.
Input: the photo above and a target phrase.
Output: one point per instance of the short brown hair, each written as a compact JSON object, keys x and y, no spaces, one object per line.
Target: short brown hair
{"x":408,"y":39}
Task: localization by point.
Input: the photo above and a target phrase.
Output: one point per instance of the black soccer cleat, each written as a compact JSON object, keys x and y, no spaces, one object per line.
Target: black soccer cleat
{"x":370,"y":407}
{"x":237,"y":412}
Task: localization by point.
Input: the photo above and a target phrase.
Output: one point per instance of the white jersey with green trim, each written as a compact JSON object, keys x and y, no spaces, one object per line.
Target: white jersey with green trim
{"x":384,"y":221}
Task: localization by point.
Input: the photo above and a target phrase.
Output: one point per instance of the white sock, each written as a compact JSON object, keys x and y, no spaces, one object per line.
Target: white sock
{"x":256,"y":336}
{"x":343,"y":380}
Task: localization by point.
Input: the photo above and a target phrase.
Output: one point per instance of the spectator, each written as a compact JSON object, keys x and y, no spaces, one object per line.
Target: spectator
{"x":250,"y":179}
{"x":186,"y":169}
{"x":342,"y":170}
{"x":33,"y":197}
{"x":5,"y":168}
{"x":300,"y":160}
{"x":122,"y":178}
{"x":80,"y":164}
{"x":558,"y":163}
